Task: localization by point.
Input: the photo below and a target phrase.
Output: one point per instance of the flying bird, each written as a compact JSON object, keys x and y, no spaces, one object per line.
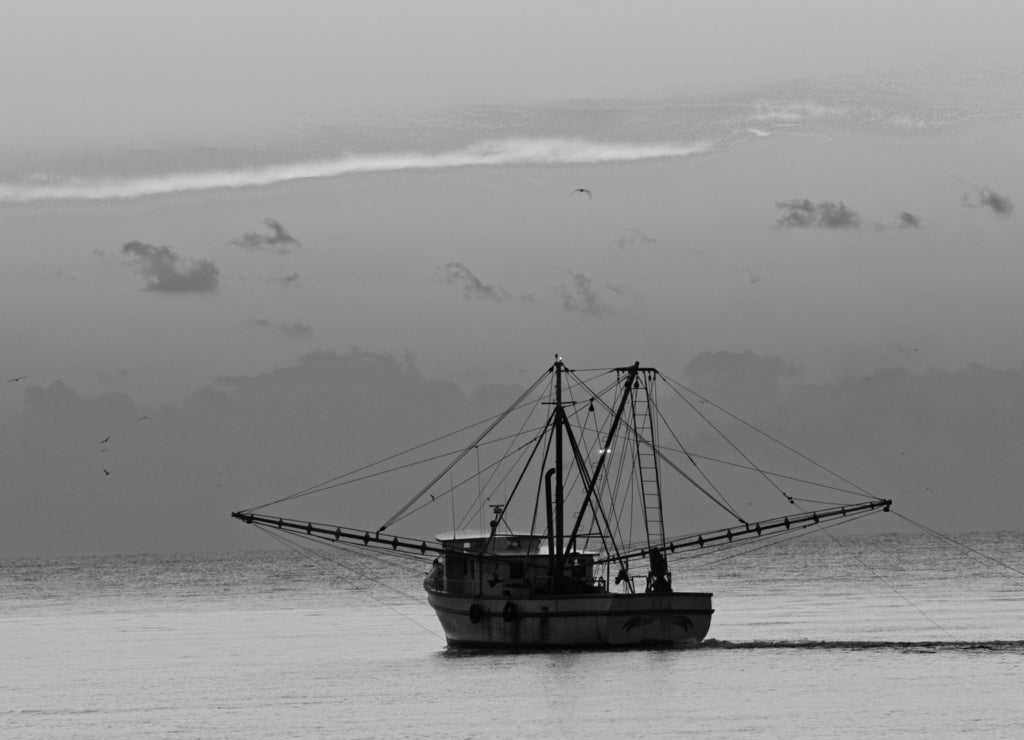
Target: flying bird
{"x":582,"y":190}
{"x":104,"y":441}
{"x":106,"y":472}
{"x":15,"y":380}
{"x":143,"y":418}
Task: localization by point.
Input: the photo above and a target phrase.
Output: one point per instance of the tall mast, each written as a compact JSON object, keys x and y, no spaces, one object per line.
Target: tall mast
{"x":559,"y":472}
{"x":631,"y":373}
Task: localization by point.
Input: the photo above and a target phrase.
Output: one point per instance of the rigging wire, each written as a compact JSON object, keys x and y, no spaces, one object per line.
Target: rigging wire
{"x":509,"y":451}
{"x":967,"y":548}
{"x":732,"y":444}
{"x":675,"y":467}
{"x":340,"y":480}
{"x":892,"y":587}
{"x":453,"y":463}
{"x":471,"y":512}
{"x":317,"y":556}
{"x":675,"y":385}
{"x":741,"y":466}
{"x":747,"y":547}
{"x":661,"y":450}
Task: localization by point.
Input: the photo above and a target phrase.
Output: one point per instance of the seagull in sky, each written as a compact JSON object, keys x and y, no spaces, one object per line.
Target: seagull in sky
{"x":15,"y":380}
{"x":582,"y":190}
{"x":106,"y":472}
{"x":104,"y":441}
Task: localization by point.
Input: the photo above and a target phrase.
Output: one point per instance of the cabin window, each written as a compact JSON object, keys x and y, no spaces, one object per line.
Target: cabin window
{"x":515,"y":570}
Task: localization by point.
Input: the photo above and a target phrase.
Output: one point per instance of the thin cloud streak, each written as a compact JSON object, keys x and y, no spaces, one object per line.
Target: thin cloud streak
{"x":514,"y":151}
{"x":292,"y":331}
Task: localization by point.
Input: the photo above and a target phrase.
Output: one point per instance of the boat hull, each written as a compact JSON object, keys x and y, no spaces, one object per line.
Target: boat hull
{"x":573,"y":621}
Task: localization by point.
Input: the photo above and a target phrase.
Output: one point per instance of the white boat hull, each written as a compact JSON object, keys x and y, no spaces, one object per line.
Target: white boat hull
{"x":573,"y":621}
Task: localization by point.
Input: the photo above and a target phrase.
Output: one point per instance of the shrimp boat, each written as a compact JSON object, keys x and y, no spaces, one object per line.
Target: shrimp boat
{"x":571,"y":487}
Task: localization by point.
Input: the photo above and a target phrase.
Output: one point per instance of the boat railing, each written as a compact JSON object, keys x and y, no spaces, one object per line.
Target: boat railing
{"x":538,"y":585}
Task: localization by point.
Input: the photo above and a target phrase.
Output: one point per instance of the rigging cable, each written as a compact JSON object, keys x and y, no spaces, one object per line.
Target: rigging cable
{"x":661,"y":453}
{"x":949,"y":540}
{"x":341,"y":480}
{"x":315,"y":557}
{"x":732,"y":463}
{"x":893,"y":588}
{"x":509,"y":451}
{"x":742,"y":454}
{"x":782,"y":444}
{"x":676,"y":468}
{"x":497,"y":420}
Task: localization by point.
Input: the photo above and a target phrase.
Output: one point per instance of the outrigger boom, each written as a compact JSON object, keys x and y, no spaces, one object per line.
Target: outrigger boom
{"x":756,"y":529}
{"x":336,"y":533}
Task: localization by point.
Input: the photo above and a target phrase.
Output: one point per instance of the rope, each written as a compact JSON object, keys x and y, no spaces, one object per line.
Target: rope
{"x":741,"y":453}
{"x":314,"y":555}
{"x":723,"y":503}
{"x":893,"y":588}
{"x":340,"y":480}
{"x":497,"y":420}
{"x":673,"y":383}
{"x":947,"y":539}
{"x":793,"y":478}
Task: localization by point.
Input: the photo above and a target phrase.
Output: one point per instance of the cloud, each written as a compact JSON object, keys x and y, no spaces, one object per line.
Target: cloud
{"x":279,"y":240}
{"x":634,"y":237}
{"x":459,"y":276}
{"x":746,"y":382}
{"x":496,"y":153}
{"x":260,"y":436}
{"x":802,"y":214}
{"x":619,"y":289}
{"x":166,"y":272}
{"x":987,"y":198}
{"x":907,"y":220}
{"x":583,"y":297}
{"x":278,"y":431}
{"x":296,"y":330}
{"x":292,"y":331}
{"x":285,"y":281}
{"x":112,"y":378}
{"x":59,"y":403}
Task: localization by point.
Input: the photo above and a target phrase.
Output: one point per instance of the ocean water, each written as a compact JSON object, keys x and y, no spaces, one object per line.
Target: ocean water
{"x":891,"y":636}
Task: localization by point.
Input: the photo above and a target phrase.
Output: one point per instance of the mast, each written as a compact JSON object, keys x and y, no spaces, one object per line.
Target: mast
{"x":559,"y":471}
{"x":631,"y":373}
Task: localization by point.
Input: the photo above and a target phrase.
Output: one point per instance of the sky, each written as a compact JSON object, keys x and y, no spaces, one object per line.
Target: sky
{"x":115,"y":73}
{"x":236,"y":206}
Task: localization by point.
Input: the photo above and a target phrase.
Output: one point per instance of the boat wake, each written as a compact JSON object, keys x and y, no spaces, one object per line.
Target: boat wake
{"x":903,"y":646}
{"x":494,"y":153}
